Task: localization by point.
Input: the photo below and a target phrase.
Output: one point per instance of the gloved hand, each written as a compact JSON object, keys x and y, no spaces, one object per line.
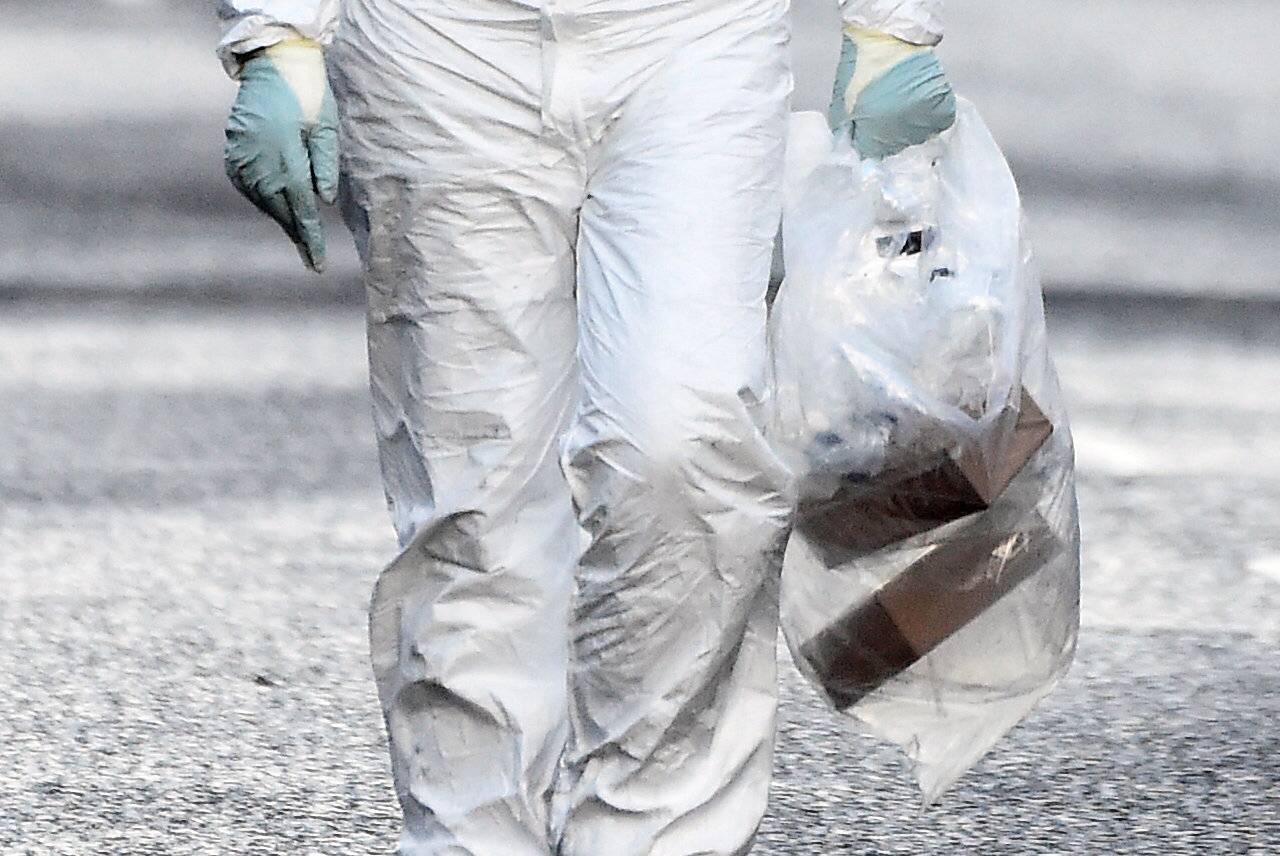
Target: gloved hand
{"x":894,"y":93}
{"x":282,"y":141}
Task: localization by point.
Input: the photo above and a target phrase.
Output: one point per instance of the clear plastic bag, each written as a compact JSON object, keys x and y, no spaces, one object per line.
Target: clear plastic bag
{"x":931,"y":586}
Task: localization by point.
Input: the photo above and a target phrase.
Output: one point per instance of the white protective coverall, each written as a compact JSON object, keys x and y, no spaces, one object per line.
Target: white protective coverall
{"x":565,"y":211}
{"x":915,"y":21}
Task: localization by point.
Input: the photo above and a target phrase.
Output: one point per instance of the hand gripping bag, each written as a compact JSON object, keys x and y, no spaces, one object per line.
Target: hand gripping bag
{"x":931,"y":584}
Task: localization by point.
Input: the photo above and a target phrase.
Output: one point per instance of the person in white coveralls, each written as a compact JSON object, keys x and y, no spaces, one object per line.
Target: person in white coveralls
{"x":565,"y":211}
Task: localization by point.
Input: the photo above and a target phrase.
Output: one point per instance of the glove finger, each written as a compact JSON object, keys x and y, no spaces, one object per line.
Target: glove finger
{"x":260,"y":187}
{"x":280,"y":210}
{"x":301,"y":197}
{"x":277,"y":207}
{"x":253,"y":162}
{"x":322,"y":147}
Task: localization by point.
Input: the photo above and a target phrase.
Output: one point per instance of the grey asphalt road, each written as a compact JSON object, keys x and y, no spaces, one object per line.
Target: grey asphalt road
{"x":190,"y":523}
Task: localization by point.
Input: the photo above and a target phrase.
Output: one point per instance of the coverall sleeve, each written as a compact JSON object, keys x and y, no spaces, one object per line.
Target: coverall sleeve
{"x":915,"y":21}
{"x":251,"y":24}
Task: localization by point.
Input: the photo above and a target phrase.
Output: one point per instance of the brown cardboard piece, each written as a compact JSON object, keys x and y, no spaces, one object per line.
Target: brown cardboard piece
{"x":862,"y":518}
{"x":955,"y":582}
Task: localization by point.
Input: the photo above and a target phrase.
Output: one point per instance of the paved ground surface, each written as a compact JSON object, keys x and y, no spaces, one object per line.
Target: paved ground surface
{"x":190,"y":523}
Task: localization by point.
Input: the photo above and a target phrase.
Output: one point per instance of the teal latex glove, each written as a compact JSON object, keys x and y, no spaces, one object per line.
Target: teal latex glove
{"x":282,"y":141}
{"x":894,"y":94}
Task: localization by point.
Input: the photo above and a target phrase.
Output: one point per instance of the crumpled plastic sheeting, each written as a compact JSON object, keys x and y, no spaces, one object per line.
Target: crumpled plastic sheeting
{"x":931,"y":587}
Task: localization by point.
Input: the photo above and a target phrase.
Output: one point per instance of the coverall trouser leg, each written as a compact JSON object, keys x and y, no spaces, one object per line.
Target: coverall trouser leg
{"x":565,"y":273}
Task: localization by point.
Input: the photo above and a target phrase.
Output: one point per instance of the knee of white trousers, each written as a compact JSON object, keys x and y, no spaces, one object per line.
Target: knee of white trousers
{"x":687,"y":452}
{"x":685,"y":527}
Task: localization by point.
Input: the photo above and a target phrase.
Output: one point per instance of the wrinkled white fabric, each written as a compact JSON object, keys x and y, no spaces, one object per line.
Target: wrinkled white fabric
{"x":566,"y":217}
{"x":915,"y":21}
{"x":251,"y":24}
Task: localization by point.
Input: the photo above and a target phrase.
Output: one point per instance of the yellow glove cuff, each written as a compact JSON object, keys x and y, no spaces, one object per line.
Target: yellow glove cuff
{"x":877,"y":53}
{"x":301,"y":64}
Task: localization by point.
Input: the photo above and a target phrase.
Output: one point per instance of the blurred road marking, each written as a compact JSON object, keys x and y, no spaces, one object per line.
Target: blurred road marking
{"x":1126,"y":451}
{"x":1266,"y":566}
